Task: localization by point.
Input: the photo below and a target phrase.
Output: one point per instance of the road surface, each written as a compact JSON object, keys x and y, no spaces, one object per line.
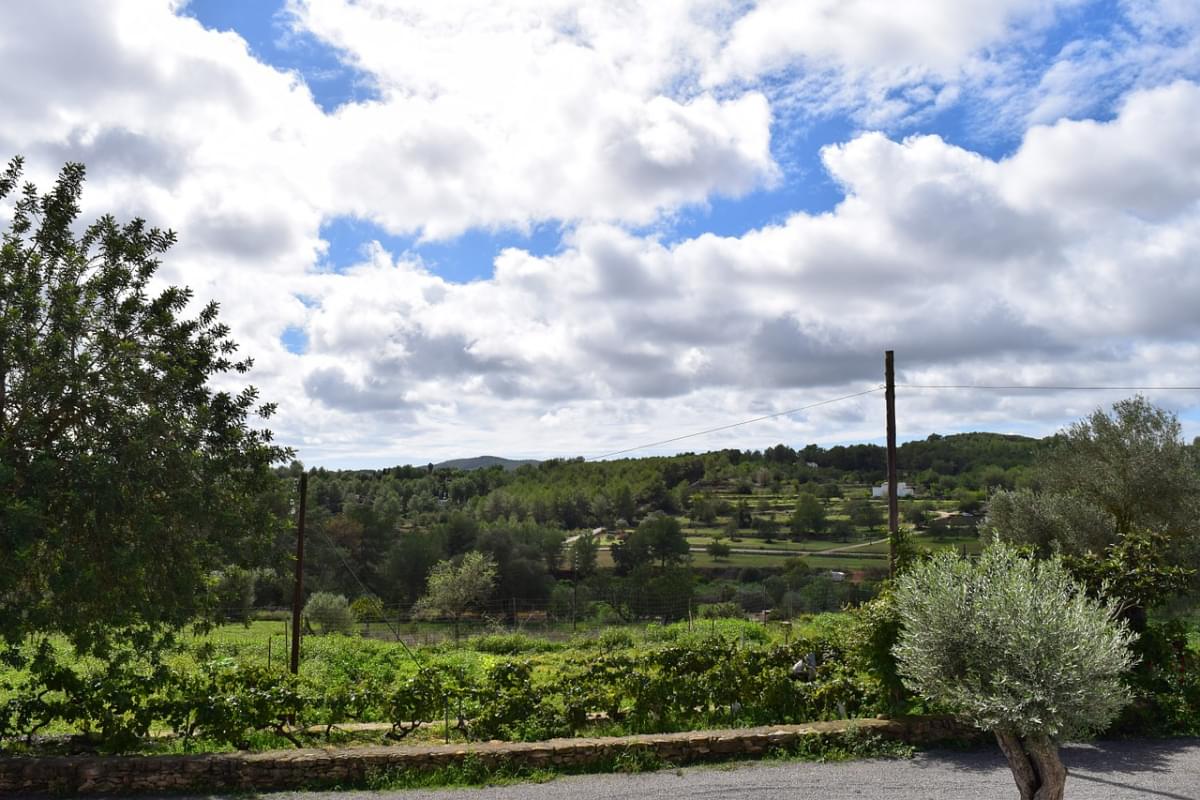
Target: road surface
{"x":1124,"y":770}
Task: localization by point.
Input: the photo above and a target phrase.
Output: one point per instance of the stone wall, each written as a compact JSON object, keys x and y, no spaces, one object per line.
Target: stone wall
{"x":284,"y":769}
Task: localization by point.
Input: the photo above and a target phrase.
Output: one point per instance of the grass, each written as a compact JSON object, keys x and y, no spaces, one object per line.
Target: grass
{"x":471,"y":771}
{"x":705,"y":561}
{"x":800,"y":548}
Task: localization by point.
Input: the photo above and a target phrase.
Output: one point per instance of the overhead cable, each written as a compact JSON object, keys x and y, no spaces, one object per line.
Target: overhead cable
{"x":737,"y":424}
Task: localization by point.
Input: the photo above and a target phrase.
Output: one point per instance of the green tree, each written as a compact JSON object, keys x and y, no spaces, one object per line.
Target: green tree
{"x":969,"y":502}
{"x":742,"y":515}
{"x":657,"y":537}
{"x":916,"y":513}
{"x":452,"y":591}
{"x":624,"y":505}
{"x":704,"y":511}
{"x":125,"y":478}
{"x":717,"y":549}
{"x":235,"y":593}
{"x":408,"y":563}
{"x":809,"y":517}
{"x":863,"y":513}
{"x":1132,"y":463}
{"x":329,"y":612}
{"x":1017,"y":647}
{"x":666,"y":539}
{"x":1107,"y":477}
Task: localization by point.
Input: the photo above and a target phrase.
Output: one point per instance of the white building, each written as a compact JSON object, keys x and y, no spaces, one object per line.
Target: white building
{"x":902,"y":490}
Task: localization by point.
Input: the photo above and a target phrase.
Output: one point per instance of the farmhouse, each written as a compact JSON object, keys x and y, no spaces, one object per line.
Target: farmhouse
{"x":902,"y":490}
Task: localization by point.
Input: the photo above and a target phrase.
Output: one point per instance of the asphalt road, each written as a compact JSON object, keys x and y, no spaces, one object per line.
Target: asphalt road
{"x":1149,"y":770}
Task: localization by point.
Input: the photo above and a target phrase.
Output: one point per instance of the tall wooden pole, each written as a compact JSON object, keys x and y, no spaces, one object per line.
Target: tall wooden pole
{"x":889,"y":394}
{"x":298,"y":591}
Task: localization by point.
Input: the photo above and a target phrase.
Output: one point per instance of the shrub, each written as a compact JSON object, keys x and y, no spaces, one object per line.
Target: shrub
{"x":330,"y":613}
{"x":1165,"y":685}
{"x":508,"y":644}
{"x":615,"y":639}
{"x":226,"y":702}
{"x":720,"y":611}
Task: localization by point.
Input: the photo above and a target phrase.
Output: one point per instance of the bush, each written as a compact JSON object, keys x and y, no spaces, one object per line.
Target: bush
{"x":1165,"y":685}
{"x":508,"y":644}
{"x":615,"y":639}
{"x":226,"y":702}
{"x":330,"y":613}
{"x":753,"y":598}
{"x":871,"y":637}
{"x":720,"y":611}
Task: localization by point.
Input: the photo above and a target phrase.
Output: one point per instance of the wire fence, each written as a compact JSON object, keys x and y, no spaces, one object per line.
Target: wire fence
{"x":555,"y":620}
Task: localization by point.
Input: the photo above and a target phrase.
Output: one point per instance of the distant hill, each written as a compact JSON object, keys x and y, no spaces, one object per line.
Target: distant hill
{"x":483,"y":462}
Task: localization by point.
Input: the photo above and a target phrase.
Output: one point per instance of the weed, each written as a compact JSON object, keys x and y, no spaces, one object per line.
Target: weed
{"x":471,"y":771}
{"x":853,"y":744}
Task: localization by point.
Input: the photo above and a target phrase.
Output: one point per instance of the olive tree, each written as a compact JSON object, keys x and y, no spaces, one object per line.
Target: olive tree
{"x":1107,"y":475}
{"x":1119,"y":482}
{"x":1017,"y":648}
{"x":452,"y":589}
{"x":331,"y":613}
{"x":126,"y":478}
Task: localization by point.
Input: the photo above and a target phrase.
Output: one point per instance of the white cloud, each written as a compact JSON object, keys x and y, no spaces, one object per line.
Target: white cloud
{"x":890,"y":43}
{"x":1071,"y":261}
{"x":883,"y":63}
{"x":1023,"y":270}
{"x":506,"y":114}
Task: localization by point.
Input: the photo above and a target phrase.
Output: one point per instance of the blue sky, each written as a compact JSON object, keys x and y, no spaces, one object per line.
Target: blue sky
{"x":558,"y":228}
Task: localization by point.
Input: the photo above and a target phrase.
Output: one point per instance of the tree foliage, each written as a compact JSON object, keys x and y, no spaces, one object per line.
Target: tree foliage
{"x":1113,"y":485}
{"x":659,"y":537}
{"x":455,"y":589}
{"x":125,"y":478}
{"x":1132,"y":463}
{"x":1018,"y":648}
{"x":809,"y":517}
{"x":330,"y":613}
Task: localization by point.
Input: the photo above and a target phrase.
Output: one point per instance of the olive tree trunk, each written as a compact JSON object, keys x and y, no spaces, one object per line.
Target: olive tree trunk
{"x":1035,"y":765}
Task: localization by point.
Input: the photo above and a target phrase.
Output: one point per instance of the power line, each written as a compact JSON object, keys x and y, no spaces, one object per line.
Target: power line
{"x":363,"y":586}
{"x":737,"y":424}
{"x":1049,"y":388}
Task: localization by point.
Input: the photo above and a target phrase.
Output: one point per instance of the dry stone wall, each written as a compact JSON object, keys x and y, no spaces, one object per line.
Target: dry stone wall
{"x":285,"y":769}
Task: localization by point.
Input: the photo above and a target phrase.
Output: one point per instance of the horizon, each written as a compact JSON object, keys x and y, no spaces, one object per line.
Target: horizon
{"x":682,"y":452}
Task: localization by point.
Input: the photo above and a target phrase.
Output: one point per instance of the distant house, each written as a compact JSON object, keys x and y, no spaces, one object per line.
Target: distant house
{"x":902,"y":490}
{"x":837,"y":576}
{"x":812,"y":465}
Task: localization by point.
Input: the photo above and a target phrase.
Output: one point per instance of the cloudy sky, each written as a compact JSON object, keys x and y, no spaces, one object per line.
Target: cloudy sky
{"x":554,"y":227}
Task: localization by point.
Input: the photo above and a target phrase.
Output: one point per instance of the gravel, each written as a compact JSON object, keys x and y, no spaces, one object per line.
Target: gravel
{"x":1117,"y":770}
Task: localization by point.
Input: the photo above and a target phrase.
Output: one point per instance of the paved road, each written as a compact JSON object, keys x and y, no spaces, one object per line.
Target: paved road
{"x":1147,"y":770}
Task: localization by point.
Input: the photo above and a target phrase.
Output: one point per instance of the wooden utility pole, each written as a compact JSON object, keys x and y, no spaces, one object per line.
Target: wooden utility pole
{"x":889,"y":395}
{"x":298,"y":591}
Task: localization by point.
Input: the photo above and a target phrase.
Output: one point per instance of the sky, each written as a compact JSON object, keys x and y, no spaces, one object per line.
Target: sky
{"x":539,"y":228}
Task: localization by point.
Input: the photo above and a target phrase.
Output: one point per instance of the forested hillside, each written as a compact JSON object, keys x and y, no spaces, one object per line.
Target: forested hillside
{"x":380,"y":532}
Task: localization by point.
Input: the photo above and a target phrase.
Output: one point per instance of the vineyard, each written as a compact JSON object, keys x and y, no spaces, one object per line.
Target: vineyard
{"x":218,"y":693}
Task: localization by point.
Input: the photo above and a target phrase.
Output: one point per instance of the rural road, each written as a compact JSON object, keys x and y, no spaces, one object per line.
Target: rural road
{"x":1123,"y":770}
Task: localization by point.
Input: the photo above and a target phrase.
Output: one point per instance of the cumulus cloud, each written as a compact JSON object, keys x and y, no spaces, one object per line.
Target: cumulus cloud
{"x":954,"y":260}
{"x":502,"y":115}
{"x":1069,"y":261}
